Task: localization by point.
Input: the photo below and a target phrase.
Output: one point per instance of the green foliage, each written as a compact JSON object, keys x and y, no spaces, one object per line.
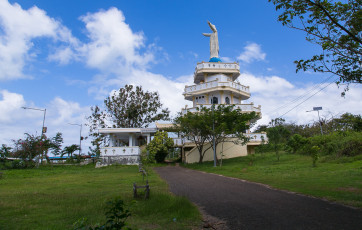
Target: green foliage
{"x":31,"y":147}
{"x":127,"y":107}
{"x":348,"y":122}
{"x":15,"y":164}
{"x":159,"y":147}
{"x":54,"y":197}
{"x":133,"y":108}
{"x":5,"y":151}
{"x":116,"y":214}
{"x":338,"y":144}
{"x":277,"y":135}
{"x":220,"y":123}
{"x":295,"y":142}
{"x":69,"y":150}
{"x":56,"y":144}
{"x":314,"y":152}
{"x":335,"y":27}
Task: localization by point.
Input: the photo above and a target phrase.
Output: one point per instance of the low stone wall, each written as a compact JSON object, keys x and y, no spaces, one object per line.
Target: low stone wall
{"x":122,"y":160}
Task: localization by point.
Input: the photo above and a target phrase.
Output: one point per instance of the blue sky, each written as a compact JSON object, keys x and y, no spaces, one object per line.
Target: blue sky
{"x":66,"y":56}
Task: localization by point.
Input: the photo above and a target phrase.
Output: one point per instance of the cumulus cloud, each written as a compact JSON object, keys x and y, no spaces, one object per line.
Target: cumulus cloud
{"x":10,"y":105}
{"x":15,"y":121}
{"x":252,"y":52}
{"x":112,"y":42}
{"x":19,"y":27}
{"x":278,"y":97}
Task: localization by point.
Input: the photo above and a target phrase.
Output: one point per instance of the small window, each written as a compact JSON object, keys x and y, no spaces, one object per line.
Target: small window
{"x":227,"y":100}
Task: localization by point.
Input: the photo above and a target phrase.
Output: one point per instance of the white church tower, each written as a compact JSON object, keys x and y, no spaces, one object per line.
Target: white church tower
{"x":215,"y":82}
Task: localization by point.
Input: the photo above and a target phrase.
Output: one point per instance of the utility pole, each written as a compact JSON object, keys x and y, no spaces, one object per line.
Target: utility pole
{"x":43,"y":129}
{"x":319,"y":119}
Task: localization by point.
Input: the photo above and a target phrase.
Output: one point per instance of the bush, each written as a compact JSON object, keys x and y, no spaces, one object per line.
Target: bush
{"x":337,"y":144}
{"x":295,"y":143}
{"x":116,"y":213}
{"x":158,"y":148}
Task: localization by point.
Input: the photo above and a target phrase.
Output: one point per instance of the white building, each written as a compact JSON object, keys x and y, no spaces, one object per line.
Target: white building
{"x":215,"y":83}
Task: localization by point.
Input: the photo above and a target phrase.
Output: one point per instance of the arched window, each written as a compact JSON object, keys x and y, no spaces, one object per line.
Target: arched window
{"x":227,"y":100}
{"x":214,"y":100}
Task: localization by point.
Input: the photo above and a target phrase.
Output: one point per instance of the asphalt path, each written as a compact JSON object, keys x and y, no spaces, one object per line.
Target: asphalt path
{"x":247,"y":205}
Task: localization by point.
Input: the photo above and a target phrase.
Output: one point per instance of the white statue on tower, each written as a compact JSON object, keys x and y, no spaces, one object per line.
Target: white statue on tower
{"x":214,"y":42}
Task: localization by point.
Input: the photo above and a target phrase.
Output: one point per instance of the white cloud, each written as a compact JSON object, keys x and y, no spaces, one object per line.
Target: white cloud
{"x":10,"y":105}
{"x":226,"y":59}
{"x":15,"y":121}
{"x":112,"y":42}
{"x":252,"y":52}
{"x":19,"y":27}
{"x":277,"y":96}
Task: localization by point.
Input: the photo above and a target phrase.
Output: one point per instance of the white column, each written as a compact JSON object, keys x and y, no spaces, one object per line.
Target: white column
{"x":148,"y":138}
{"x":130,"y":140}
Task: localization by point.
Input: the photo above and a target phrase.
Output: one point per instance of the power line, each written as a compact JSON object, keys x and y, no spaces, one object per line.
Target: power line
{"x":301,"y":96}
{"x":306,"y":99}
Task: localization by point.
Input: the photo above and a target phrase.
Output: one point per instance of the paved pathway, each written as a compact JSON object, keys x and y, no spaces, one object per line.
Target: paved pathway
{"x":245,"y":205}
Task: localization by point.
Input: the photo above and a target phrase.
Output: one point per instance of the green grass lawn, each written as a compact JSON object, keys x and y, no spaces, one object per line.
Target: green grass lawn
{"x":56,"y":197}
{"x":334,"y":179}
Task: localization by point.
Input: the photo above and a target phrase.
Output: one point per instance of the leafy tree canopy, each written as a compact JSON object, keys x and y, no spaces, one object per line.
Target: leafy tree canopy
{"x":336,"y":27}
{"x":133,"y":108}
{"x":128,"y":107}
{"x":222,"y":123}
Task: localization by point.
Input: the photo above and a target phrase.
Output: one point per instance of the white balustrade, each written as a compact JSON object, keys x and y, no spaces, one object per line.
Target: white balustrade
{"x":213,"y":65}
{"x":215,"y":83}
{"x":257,"y":137}
{"x":242,"y":107}
{"x":120,"y":151}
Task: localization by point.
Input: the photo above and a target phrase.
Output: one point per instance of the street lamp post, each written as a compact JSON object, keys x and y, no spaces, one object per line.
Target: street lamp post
{"x":80,"y":137}
{"x":317,"y":109}
{"x":43,"y":128}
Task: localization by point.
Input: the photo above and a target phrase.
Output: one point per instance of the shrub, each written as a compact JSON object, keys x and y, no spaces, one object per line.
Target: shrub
{"x":337,"y":144}
{"x":116,"y":214}
{"x":315,"y":155}
{"x":158,"y":148}
{"x":295,"y":143}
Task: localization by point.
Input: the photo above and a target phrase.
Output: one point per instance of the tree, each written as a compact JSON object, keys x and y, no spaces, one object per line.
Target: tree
{"x":277,"y":134}
{"x":134,"y":108}
{"x":224,"y":123}
{"x":230,"y":125}
{"x":348,"y":121}
{"x":31,"y":147}
{"x":196,"y":127}
{"x":127,"y":107}
{"x":159,"y":147}
{"x":56,"y":144}
{"x":95,"y":121}
{"x":5,"y":151}
{"x":70,"y":150}
{"x":333,"y":25}
{"x":295,"y":142}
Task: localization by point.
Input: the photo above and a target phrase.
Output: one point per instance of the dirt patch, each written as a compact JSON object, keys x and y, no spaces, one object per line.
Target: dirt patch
{"x":211,"y":222}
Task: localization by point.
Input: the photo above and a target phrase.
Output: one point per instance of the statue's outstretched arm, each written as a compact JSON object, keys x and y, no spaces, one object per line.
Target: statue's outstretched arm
{"x":207,"y":35}
{"x":212,"y":27}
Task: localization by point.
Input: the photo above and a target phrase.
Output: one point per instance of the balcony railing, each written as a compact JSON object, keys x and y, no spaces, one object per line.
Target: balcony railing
{"x":213,"y":65}
{"x":242,"y":107}
{"x":215,"y":83}
{"x":257,"y":137}
{"x":120,"y":151}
